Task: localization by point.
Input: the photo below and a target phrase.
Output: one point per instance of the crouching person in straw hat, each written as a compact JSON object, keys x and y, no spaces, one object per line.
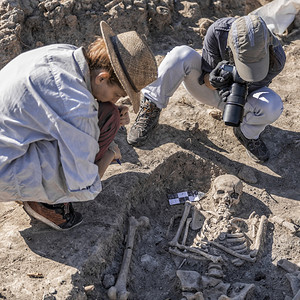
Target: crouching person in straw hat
{"x":58,"y":120}
{"x":240,"y":58}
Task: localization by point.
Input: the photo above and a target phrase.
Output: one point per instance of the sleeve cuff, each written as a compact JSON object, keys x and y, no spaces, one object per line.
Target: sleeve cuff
{"x":201,"y":78}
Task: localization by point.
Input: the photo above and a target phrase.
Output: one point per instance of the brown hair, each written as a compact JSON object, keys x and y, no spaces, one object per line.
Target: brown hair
{"x":97,"y":57}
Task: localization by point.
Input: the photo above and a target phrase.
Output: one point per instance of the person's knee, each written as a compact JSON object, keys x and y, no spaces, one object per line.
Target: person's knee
{"x":271,"y":106}
{"x":184,"y":54}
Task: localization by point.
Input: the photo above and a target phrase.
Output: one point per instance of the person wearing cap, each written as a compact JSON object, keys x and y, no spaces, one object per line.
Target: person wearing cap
{"x":258,"y":57}
{"x":58,"y":120}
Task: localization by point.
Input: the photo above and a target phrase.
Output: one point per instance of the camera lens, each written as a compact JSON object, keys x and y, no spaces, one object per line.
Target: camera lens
{"x":234,"y":108}
{"x":232,"y":114}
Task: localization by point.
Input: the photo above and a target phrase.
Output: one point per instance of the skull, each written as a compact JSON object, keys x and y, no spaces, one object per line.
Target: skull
{"x":227,"y":190}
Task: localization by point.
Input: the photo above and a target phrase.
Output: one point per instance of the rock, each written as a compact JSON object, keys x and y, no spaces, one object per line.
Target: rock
{"x":241,"y":291}
{"x":192,"y":296}
{"x":294,"y":281}
{"x":204,"y":24}
{"x":189,"y":280}
{"x":108,"y":281}
{"x":71,"y":21}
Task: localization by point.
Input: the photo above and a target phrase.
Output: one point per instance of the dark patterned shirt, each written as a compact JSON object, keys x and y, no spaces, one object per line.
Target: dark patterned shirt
{"x":215,"y":49}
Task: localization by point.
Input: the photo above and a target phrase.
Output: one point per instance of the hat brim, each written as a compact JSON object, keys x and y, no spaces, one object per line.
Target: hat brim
{"x":134,"y":97}
{"x":253,"y":72}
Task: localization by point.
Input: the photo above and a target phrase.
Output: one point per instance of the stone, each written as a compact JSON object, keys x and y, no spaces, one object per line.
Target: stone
{"x":108,"y":281}
{"x":189,"y":280}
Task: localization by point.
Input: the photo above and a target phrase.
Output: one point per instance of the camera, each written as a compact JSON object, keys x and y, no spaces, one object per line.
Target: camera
{"x":234,"y":107}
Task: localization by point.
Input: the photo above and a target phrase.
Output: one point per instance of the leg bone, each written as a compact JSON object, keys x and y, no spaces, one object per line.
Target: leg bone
{"x":171,"y":224}
{"x":118,"y":291}
{"x":187,"y":224}
{"x":261,"y":232}
{"x":187,"y":207}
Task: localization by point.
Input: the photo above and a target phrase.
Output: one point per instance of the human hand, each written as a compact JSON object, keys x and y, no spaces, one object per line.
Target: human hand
{"x":124,"y":115}
{"x":224,"y":93}
{"x":220,"y":78}
{"x":113,"y":147}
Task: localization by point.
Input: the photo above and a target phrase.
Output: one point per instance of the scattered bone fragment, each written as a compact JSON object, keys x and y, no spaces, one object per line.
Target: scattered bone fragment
{"x":288,"y":266}
{"x":119,"y":291}
{"x":290,"y":226}
{"x":112,"y":3}
{"x":89,"y":288}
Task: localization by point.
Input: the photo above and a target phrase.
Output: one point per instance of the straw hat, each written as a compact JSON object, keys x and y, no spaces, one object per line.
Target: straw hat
{"x":132,"y":61}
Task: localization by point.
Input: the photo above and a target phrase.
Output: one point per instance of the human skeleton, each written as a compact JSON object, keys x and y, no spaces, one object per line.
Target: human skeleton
{"x":220,"y":232}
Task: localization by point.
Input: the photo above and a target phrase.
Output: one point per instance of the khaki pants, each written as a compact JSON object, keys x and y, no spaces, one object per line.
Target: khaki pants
{"x":183,"y":65}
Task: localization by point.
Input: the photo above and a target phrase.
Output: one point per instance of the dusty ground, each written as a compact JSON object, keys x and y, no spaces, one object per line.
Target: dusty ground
{"x":186,"y":151}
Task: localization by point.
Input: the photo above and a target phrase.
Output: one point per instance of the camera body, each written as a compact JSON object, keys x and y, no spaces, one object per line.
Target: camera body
{"x":234,"y":107}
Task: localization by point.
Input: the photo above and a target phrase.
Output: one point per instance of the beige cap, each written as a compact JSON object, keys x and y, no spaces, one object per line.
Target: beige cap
{"x":132,"y":60}
{"x":249,"y":40}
